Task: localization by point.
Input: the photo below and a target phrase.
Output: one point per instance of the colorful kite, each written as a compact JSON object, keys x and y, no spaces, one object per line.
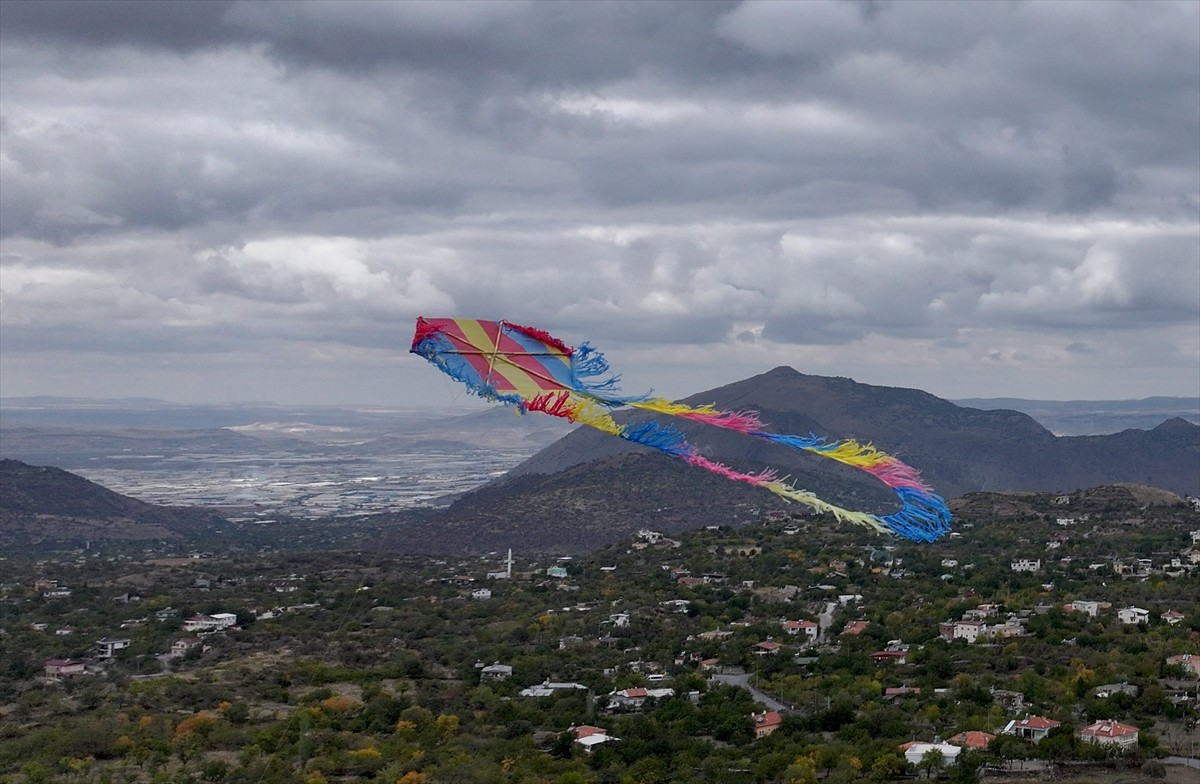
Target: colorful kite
{"x":535,"y":371}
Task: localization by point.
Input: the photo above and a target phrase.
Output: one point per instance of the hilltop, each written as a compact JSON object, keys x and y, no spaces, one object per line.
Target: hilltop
{"x":41,"y":505}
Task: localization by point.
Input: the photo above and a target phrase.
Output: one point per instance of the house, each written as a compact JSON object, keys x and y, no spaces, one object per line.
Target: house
{"x":481,"y":594}
{"x":765,"y":723}
{"x":1189,"y":662}
{"x":1110,"y":689}
{"x":890,"y":657}
{"x":620,"y":620}
{"x":1172,"y":617}
{"x":1027,"y":565}
{"x":1010,"y":701}
{"x":1133,"y":615}
{"x":972,"y":739}
{"x":181,"y":646}
{"x":63,"y":668}
{"x":981,"y":612}
{"x":915,"y":751}
{"x":896,"y":692}
{"x":107,"y":648}
{"x":635,"y":698}
{"x":765,"y":648}
{"x":854,"y":628}
{"x":210,"y":623}
{"x":549,"y":688}
{"x":1111,"y":733}
{"x":807,"y":628}
{"x":590,"y":737}
{"x":1089,"y":608}
{"x":556,"y":571}
{"x":961,"y":630}
{"x":495,"y":672}
{"x":1031,"y":728}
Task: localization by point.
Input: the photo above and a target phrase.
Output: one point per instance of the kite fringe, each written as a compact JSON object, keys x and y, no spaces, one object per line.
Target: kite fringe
{"x":541,"y":335}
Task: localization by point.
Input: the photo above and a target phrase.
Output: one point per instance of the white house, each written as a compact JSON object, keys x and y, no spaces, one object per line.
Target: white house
{"x":635,"y":698}
{"x":549,"y":688}
{"x":107,"y":648}
{"x":590,"y":737}
{"x":1087,"y":607}
{"x":1027,"y":565}
{"x":806,"y":628}
{"x":915,"y":751}
{"x":210,"y":623}
{"x":481,"y":594}
{"x":1111,"y":733}
{"x":1132,"y":615}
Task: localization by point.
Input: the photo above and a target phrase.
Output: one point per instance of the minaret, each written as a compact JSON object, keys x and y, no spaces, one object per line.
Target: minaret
{"x":508,"y":564}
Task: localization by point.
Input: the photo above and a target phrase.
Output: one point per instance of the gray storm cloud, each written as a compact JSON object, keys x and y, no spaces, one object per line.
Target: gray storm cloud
{"x":974,"y":199}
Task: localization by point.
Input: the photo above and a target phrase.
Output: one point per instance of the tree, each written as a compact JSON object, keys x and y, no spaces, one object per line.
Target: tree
{"x":931,"y":763}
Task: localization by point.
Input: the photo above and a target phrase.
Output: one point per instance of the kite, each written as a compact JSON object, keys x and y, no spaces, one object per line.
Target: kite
{"x":532,"y":370}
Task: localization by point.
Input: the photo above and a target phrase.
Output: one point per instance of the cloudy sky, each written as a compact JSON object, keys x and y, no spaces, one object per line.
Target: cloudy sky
{"x":221,"y":201}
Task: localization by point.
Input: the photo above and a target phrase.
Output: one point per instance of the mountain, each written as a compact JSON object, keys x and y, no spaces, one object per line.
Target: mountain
{"x":589,"y":488}
{"x":1096,"y":417}
{"x":40,"y":505}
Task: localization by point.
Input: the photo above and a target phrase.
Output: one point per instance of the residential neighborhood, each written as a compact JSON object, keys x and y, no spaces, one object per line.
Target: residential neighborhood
{"x":757,"y":644}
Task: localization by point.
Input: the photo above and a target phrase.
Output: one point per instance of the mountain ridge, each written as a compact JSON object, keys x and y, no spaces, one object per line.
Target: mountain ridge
{"x":623,"y":486}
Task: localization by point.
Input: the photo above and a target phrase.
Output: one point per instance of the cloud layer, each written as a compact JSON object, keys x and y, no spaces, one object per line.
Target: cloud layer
{"x":228,"y":200}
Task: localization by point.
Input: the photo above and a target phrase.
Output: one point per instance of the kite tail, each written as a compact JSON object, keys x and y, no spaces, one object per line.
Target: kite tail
{"x":741,"y":421}
{"x":544,"y":374}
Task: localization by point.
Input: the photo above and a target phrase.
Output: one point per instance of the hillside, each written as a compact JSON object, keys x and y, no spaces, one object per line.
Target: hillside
{"x":41,"y":505}
{"x":588,"y":488}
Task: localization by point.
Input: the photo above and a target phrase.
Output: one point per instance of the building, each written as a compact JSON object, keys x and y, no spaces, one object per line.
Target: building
{"x":107,"y":648}
{"x":807,"y":628}
{"x":181,"y":646}
{"x":961,"y":630}
{"x":1027,"y":565}
{"x":1133,"y":615}
{"x":915,"y":751}
{"x":210,"y":623}
{"x":1111,"y":689}
{"x":549,"y":688}
{"x":765,"y":648}
{"x":765,"y":723}
{"x":64,"y":668}
{"x":972,"y":739}
{"x":495,"y":672}
{"x":1031,"y":728}
{"x":1172,"y":617}
{"x":635,"y":698}
{"x":1090,"y":608}
{"x":590,"y":737}
{"x":1189,"y":662}
{"x":1111,"y":733}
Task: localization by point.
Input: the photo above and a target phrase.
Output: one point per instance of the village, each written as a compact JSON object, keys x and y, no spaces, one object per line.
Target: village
{"x":1011,"y":644}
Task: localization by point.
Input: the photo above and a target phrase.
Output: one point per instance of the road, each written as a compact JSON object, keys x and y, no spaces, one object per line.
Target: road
{"x":742,"y":679}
